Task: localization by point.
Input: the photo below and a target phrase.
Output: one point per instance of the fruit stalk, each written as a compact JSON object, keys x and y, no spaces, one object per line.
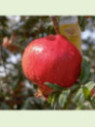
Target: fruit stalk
{"x":55,"y":23}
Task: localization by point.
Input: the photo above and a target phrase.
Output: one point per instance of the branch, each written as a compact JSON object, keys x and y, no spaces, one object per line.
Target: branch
{"x":55,"y":23}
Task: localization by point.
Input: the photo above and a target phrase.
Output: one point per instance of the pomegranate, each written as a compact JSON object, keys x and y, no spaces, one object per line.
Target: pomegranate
{"x":52,"y":59}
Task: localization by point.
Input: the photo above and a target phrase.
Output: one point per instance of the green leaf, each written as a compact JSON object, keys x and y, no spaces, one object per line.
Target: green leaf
{"x":85,"y":72}
{"x":82,"y":22}
{"x":52,"y":99}
{"x":84,"y":105}
{"x":83,"y":93}
{"x":93,"y":102}
{"x":4,"y":106}
{"x":90,"y":85}
{"x":54,"y":86}
{"x":79,"y":97}
{"x":33,"y":103}
{"x":63,"y":98}
{"x":86,"y":92}
{"x":75,"y":87}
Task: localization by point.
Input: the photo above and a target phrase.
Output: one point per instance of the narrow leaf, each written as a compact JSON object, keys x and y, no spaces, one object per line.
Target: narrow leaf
{"x":54,"y":86}
{"x":63,"y":98}
{"x":86,"y":92}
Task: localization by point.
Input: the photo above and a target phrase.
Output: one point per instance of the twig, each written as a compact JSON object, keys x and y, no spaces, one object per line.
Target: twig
{"x":55,"y":23}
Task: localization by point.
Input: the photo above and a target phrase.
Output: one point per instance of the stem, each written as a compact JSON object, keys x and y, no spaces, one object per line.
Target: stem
{"x":55,"y":23}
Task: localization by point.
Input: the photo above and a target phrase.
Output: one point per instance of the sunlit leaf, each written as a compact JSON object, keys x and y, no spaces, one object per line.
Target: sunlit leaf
{"x":79,"y":97}
{"x":90,"y":85}
{"x":53,"y":98}
{"x":63,"y":98}
{"x":86,"y":92}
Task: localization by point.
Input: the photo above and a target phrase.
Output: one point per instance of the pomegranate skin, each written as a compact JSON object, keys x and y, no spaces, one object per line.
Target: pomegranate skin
{"x":52,"y":59}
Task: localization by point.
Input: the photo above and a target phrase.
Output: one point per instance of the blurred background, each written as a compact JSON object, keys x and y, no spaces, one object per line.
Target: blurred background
{"x":16,"y":32}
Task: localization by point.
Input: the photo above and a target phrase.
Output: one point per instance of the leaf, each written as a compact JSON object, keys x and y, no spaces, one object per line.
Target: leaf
{"x":83,"y":93}
{"x":85,"y":105}
{"x":4,"y":106}
{"x":93,"y":102}
{"x":79,"y":97}
{"x":85,"y":72}
{"x":75,"y":87}
{"x":63,"y":98}
{"x":86,"y":92}
{"x":82,"y":22}
{"x":54,"y":86}
{"x":90,"y":85}
{"x":53,"y":98}
{"x":32,"y":103}
{"x":27,"y":103}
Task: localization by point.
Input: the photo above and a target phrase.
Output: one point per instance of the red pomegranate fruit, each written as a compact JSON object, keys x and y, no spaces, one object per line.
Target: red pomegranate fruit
{"x":52,"y":59}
